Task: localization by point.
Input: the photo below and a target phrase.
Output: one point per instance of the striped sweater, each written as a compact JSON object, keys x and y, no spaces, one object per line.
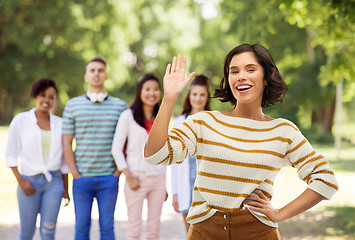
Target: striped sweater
{"x":236,"y":156}
{"x":93,"y":126}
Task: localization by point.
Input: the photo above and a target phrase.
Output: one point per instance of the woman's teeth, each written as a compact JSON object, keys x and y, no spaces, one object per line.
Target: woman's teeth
{"x":244,"y":87}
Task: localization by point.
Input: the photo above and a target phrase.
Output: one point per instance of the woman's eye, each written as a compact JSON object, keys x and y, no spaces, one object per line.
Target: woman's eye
{"x":251,"y":70}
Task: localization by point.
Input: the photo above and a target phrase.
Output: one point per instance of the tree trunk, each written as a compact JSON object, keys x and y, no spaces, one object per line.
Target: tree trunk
{"x":324,"y":116}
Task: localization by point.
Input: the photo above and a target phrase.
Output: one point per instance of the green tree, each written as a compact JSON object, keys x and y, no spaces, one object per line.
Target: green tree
{"x":55,"y":39}
{"x":330,"y":25}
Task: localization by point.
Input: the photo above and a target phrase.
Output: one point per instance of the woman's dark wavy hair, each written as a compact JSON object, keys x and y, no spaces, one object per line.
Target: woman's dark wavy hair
{"x":137,"y":105}
{"x":41,"y":85}
{"x":276,"y":86}
{"x":200,"y":80}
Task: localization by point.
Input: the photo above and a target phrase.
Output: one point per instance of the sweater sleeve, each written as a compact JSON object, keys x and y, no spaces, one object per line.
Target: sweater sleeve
{"x":182,"y":140}
{"x":120,"y":138}
{"x":312,"y":166}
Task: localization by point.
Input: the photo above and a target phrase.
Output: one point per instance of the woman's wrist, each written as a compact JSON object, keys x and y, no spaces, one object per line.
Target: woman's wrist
{"x":20,"y":180}
{"x":127,"y":173}
{"x":170,"y":98}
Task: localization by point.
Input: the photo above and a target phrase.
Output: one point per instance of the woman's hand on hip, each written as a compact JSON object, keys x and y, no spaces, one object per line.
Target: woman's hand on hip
{"x":258,"y":202}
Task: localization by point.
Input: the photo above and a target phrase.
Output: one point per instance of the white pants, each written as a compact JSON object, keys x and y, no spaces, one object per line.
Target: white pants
{"x":152,"y":188}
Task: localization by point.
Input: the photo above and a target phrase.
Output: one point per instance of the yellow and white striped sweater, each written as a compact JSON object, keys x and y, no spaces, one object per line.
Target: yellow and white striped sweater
{"x":236,"y":156}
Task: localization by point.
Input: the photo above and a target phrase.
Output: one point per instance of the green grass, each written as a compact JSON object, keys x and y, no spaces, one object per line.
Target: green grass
{"x":340,"y":161}
{"x":329,"y":223}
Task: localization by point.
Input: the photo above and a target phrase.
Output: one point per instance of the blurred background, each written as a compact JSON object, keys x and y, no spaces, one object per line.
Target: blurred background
{"x":312,"y":43}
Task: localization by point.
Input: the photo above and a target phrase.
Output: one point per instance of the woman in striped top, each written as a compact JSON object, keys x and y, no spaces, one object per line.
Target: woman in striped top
{"x":239,"y":151}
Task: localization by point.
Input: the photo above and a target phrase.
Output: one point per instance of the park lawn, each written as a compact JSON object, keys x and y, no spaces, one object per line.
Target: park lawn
{"x":342,"y":161}
{"x":330,"y":221}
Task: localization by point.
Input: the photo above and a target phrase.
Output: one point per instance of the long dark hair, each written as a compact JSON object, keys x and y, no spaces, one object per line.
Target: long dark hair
{"x":137,"y":105}
{"x":275,"y":88}
{"x":200,"y":80}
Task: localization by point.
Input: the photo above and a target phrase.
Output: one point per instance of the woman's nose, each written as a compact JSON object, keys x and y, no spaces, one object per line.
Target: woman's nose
{"x":241,"y":76}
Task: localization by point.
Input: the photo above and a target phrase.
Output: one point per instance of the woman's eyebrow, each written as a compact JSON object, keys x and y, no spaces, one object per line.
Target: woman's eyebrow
{"x":248,"y":65}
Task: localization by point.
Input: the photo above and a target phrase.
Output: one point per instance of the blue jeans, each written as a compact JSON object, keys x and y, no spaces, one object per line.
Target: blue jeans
{"x":105,"y":190}
{"x":46,"y":201}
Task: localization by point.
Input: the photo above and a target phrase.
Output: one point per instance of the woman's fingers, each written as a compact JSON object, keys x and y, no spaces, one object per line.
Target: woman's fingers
{"x":184,"y":60}
{"x":174,"y":79}
{"x":257,"y":199}
{"x":191,"y":75}
{"x":66,"y":201}
{"x":261,"y":194}
{"x":27,"y":188}
{"x":258,"y":202}
{"x":173,"y":65}
{"x":134,"y":183}
{"x":30,"y":192}
{"x":178,"y":62}
{"x":167,"y":69}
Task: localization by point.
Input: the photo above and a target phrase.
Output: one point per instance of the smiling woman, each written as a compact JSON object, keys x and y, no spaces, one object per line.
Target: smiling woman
{"x":247,"y":76}
{"x":243,"y":63}
{"x":143,"y":181}
{"x":35,"y":138}
{"x":239,"y":151}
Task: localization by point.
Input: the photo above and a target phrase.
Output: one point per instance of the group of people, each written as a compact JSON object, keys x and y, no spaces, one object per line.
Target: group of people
{"x":224,"y":162}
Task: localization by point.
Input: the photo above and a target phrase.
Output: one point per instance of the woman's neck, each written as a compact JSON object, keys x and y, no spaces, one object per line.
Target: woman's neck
{"x":249,"y":111}
{"x":41,"y":114}
{"x":43,"y":119}
{"x":195,"y":110}
{"x":148,"y":112}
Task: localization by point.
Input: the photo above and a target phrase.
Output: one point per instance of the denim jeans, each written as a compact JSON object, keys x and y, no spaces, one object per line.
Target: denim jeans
{"x":46,"y":201}
{"x":104,"y":189}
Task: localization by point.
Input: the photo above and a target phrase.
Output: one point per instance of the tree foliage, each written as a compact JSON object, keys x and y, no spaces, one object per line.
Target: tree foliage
{"x":55,"y":39}
{"x":311,"y":42}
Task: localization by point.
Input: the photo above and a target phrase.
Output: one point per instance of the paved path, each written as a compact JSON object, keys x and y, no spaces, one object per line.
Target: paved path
{"x":172,"y":226}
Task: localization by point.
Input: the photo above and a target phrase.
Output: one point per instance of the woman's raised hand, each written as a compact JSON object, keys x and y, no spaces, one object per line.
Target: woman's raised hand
{"x":174,"y":83}
{"x":174,"y":78}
